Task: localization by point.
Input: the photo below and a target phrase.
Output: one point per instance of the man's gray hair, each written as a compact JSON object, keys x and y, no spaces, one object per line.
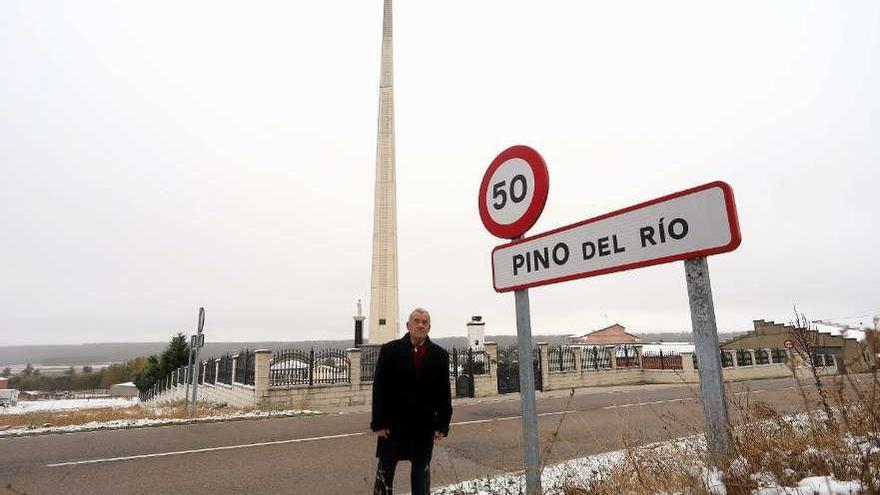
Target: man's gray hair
{"x":419,"y":310}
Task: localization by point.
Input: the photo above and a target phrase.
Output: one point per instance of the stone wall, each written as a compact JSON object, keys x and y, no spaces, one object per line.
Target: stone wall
{"x":355,"y":392}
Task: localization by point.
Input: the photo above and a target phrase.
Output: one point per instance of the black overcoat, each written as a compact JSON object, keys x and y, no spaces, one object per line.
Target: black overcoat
{"x":412,"y":403}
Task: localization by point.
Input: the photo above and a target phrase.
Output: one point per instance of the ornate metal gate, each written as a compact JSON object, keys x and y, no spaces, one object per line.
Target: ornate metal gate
{"x":463,"y":365}
{"x":507,"y":369}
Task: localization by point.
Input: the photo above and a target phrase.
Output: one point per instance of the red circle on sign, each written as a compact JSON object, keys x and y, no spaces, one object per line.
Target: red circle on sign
{"x":538,"y":199}
{"x":788,"y":344}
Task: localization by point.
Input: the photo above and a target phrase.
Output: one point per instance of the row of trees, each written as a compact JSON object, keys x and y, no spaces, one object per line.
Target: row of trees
{"x":143,"y":371}
{"x":31,"y":379}
{"x":159,"y":366}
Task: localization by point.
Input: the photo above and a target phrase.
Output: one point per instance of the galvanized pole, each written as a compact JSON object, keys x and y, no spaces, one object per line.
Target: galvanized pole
{"x":527,"y":393}
{"x":708,"y":358}
{"x":187,"y":375}
{"x":200,"y":341}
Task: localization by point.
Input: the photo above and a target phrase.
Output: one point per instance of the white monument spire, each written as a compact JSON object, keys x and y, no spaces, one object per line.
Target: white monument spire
{"x":383,"y":284}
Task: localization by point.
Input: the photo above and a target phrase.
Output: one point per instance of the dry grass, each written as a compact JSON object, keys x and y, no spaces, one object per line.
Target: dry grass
{"x":768,"y":447}
{"x":37,"y":419}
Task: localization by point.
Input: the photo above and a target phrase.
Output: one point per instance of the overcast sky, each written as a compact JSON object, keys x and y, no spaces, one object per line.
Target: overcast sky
{"x":160,"y":156}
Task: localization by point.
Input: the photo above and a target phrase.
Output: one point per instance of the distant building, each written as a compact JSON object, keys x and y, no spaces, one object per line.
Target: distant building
{"x":476,"y":330}
{"x":612,"y":335}
{"x":127,"y":389}
{"x":845,"y":345}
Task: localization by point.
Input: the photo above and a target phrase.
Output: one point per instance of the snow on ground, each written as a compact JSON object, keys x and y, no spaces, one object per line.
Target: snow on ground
{"x":577,"y":472}
{"x":24,"y":407}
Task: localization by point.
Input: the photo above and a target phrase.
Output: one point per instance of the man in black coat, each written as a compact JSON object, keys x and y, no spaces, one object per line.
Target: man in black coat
{"x":412,"y":404}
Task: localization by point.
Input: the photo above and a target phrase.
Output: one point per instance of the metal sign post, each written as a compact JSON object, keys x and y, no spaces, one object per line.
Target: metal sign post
{"x":199,"y":339}
{"x":527,"y":392}
{"x":512,"y":196}
{"x":708,"y":358}
{"x":188,"y":372}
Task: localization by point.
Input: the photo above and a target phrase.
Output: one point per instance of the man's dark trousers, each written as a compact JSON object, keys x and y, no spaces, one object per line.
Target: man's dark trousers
{"x":420,"y":476}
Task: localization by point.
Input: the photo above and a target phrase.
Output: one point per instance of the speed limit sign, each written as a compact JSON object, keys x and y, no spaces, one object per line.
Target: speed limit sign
{"x":513,"y":192}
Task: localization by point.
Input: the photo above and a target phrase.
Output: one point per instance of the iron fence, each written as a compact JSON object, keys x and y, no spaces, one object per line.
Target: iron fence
{"x":743,"y":357}
{"x":779,"y":356}
{"x":245,"y":367}
{"x":295,"y":367}
{"x":627,"y":356}
{"x":762,"y":357}
{"x":694,"y":359}
{"x":331,"y":366}
{"x":224,"y":371}
{"x":595,"y":357}
{"x":661,"y":360}
{"x":561,"y":358}
{"x":369,"y":357}
{"x":726,"y":359}
{"x":211,"y":371}
{"x":468,"y":361}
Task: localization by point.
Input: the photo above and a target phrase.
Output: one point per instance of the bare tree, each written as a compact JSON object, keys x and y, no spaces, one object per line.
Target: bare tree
{"x":805,"y":342}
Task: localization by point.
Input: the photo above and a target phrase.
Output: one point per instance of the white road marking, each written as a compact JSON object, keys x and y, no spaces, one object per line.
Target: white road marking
{"x":263,"y":444}
{"x":346,"y":435}
{"x":210,"y":449}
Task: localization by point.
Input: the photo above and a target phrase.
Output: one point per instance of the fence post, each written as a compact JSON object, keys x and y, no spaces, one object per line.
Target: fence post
{"x":311,"y":366}
{"x":578,"y":359}
{"x":662,"y":364}
{"x":735,"y":359}
{"x":544,"y":348}
{"x":687,"y":362}
{"x":470,"y":367}
{"x":752,"y":352}
{"x":234,"y":365}
{"x":354,"y":357}
{"x":216,"y":369}
{"x":261,"y":375}
{"x":492,"y":353}
{"x":613,"y":357}
{"x":638,"y":351}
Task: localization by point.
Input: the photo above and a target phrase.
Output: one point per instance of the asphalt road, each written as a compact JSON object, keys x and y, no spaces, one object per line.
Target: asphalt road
{"x":334,"y":453}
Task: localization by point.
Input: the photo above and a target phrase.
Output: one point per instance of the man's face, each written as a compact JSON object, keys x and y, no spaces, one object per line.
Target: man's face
{"x":418,"y":325}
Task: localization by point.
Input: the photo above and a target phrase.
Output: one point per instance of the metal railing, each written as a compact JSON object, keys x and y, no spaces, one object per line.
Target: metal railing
{"x":211,"y":371}
{"x":661,"y":360}
{"x":595,"y":357}
{"x":761,"y":356}
{"x":627,"y":356}
{"x":244,"y":367}
{"x":224,"y":371}
{"x":561,"y":358}
{"x":295,"y":367}
{"x":779,"y":356}
{"x":369,"y":357}
{"x":468,"y":361}
{"x":743,"y":357}
{"x":726,"y":359}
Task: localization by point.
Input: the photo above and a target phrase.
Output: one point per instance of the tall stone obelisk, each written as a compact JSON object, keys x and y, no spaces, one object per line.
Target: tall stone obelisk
{"x":383,"y":284}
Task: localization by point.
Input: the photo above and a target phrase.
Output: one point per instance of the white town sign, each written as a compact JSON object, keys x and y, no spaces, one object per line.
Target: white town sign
{"x":697,"y":222}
